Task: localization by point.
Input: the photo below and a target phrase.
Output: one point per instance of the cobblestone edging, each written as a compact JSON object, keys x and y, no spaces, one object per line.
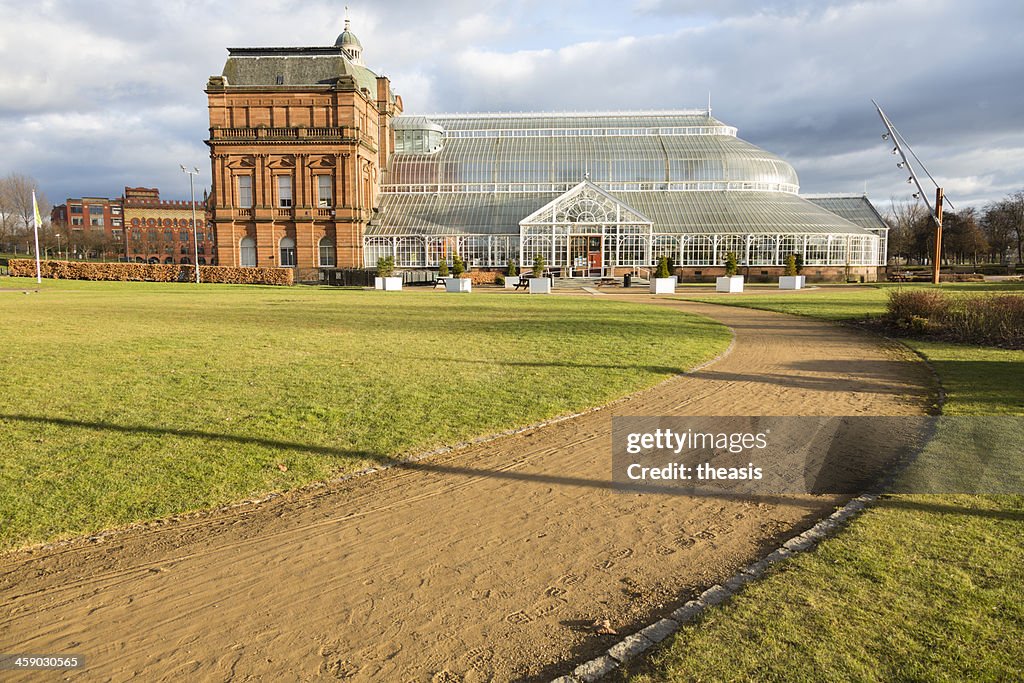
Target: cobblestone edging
{"x":631,"y":646}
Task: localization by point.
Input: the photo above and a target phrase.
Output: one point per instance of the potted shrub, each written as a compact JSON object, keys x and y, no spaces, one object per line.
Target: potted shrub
{"x":386,"y":278}
{"x":663,"y":282}
{"x":457,"y":283}
{"x":791,"y":280}
{"x":511,"y":275}
{"x":538,"y":283}
{"x":672,"y":269}
{"x":731,"y":282}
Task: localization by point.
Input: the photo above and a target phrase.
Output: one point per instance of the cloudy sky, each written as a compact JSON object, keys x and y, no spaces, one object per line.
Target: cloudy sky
{"x":98,"y":95}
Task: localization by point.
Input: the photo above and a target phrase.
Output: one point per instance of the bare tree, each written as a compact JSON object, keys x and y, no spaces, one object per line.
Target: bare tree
{"x":16,"y":213}
{"x":908,"y":234}
{"x":1015,"y":210}
{"x":1001,"y":226}
{"x":962,"y":238}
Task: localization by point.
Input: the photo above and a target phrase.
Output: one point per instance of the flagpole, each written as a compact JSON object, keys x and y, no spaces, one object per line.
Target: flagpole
{"x":35,"y":225}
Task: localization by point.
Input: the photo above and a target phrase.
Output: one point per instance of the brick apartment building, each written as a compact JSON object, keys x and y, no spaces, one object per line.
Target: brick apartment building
{"x":137,"y":226}
{"x":90,"y":225}
{"x":300,"y":139}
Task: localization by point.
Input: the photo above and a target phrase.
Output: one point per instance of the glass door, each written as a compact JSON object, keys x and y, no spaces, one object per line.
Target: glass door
{"x":585,"y":255}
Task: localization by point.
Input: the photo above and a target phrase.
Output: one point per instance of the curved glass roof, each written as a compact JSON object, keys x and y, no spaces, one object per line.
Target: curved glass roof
{"x":854,"y":208}
{"x":712,"y":212}
{"x":523,"y":120}
{"x":492,"y":152}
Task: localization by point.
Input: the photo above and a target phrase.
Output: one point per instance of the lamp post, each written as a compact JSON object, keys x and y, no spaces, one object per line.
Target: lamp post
{"x":195,"y":226}
{"x":57,"y":235}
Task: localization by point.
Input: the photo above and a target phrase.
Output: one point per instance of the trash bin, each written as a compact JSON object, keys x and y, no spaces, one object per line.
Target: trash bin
{"x":627,"y":280}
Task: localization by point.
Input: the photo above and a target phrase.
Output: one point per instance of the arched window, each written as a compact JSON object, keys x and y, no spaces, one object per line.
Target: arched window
{"x":327,"y":253}
{"x":287,"y":252}
{"x":248,"y":253}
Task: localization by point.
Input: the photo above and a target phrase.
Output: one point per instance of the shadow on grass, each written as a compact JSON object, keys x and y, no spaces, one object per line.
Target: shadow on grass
{"x":196,"y":434}
{"x":873,"y":377}
{"x":424,"y":466}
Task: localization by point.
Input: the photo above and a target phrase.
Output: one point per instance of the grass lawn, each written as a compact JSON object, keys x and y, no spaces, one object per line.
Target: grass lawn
{"x":918,"y":588}
{"x":130,"y":401}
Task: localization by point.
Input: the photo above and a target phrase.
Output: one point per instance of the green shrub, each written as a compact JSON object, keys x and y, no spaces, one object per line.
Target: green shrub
{"x":731,"y":268}
{"x":499,"y":280}
{"x":662,"y":270}
{"x":442,"y":268}
{"x":791,"y":266}
{"x":458,"y":266}
{"x":385,"y":266}
{"x":512,"y":269}
{"x":538,"y":265}
{"x":799,"y":263}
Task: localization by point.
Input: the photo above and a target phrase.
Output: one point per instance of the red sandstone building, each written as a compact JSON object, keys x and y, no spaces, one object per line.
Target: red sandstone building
{"x":300,"y":140}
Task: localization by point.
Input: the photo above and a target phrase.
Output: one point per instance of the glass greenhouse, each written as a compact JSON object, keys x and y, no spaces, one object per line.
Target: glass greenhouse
{"x":596,"y":192}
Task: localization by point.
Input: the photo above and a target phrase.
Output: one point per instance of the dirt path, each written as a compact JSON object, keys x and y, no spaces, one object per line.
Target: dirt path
{"x":485,"y":564}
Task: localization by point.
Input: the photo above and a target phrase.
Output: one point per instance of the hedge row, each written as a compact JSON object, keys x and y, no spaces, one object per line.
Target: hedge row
{"x":482,"y":277}
{"x":982,"y":319}
{"x":151,"y":272}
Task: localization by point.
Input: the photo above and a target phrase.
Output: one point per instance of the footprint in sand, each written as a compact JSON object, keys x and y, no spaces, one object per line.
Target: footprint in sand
{"x":685,"y":542}
{"x":479,"y":659}
{"x":546,"y":607}
{"x":570,"y":579}
{"x":519,"y":618}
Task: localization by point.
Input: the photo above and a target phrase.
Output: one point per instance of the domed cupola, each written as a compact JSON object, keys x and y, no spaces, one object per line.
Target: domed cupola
{"x":348,"y":42}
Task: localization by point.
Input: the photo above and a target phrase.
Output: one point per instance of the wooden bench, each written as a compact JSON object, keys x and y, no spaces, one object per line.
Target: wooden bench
{"x":607,"y":282}
{"x":524,"y":283}
{"x":439,"y":281}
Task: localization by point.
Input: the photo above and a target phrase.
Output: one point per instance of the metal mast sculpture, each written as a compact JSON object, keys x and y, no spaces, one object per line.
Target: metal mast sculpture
{"x":900,"y":143}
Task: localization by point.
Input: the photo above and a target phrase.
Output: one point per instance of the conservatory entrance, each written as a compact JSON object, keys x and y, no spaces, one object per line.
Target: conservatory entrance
{"x":584,"y":256}
{"x":585,"y":232}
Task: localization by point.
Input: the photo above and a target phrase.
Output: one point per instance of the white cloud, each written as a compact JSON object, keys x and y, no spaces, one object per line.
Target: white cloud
{"x":95,"y":96}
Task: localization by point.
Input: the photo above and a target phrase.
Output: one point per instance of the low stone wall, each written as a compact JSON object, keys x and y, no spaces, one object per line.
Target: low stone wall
{"x":151,"y":272}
